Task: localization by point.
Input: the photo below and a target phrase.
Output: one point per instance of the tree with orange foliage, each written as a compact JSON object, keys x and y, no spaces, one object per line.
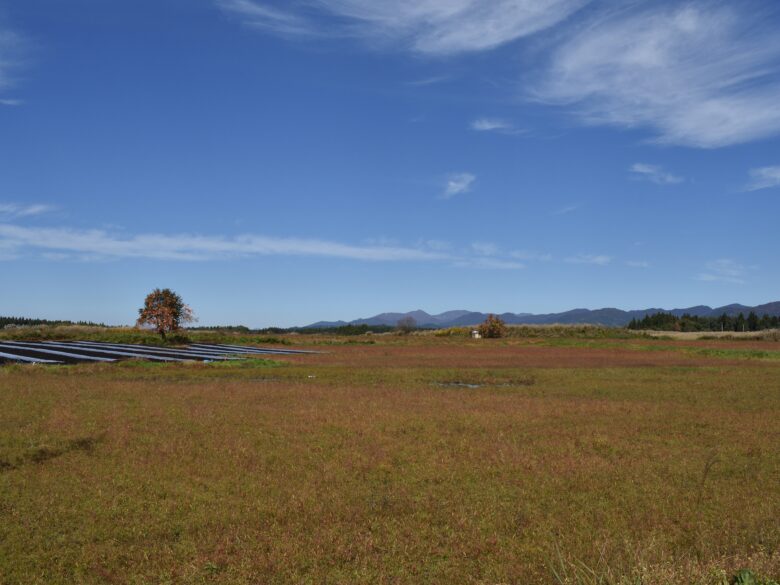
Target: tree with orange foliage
{"x":165,"y":311}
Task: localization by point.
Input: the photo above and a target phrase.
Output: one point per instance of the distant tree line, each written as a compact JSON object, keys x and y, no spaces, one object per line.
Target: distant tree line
{"x":339,"y":330}
{"x":225,"y":328}
{"x":344,"y":329}
{"x":26,"y":321}
{"x":669,"y":322}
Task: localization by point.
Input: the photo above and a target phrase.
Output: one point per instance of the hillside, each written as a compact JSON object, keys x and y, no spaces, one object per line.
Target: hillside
{"x":610,"y":317}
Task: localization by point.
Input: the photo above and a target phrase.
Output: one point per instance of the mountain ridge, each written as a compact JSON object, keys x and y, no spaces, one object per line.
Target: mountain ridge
{"x":607,"y":316}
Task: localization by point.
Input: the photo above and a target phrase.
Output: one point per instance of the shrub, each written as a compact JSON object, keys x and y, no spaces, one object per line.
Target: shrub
{"x":493,"y":327}
{"x":406,"y":325}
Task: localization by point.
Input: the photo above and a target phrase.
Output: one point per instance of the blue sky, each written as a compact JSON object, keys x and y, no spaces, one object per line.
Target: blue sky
{"x":277,"y":163}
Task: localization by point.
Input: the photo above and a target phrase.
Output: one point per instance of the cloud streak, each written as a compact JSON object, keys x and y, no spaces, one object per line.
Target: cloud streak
{"x":267,"y":18}
{"x":433,"y":27}
{"x":99,"y":244}
{"x":594,"y":259}
{"x":654,"y":174}
{"x":724,"y":270}
{"x":426,"y":81}
{"x":531,"y":255}
{"x":457,"y":184}
{"x":486,"y":263}
{"x":14,"y":210}
{"x":700,"y":74}
{"x":485,"y":248}
{"x":494,"y":125}
{"x":764,"y":178}
{"x":11,"y":45}
{"x":566,"y":210}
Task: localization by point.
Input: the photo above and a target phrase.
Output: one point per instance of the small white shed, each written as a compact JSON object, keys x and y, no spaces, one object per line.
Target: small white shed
{"x":475,"y":334}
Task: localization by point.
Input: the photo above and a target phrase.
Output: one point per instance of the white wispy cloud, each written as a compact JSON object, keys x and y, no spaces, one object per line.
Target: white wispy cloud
{"x":436,"y":245}
{"x":458,"y":183}
{"x":14,"y":210}
{"x":637,"y":264}
{"x":489,"y":263}
{"x":429,"y":80}
{"x":764,"y":178}
{"x":494,"y":125}
{"x":264,"y":16}
{"x":596,"y":259}
{"x":654,"y":174}
{"x":701,"y":74}
{"x":530,"y":255}
{"x":565,"y":210}
{"x":724,"y":270}
{"x":437,"y":27}
{"x":11,"y":48}
{"x":485,"y":248}
{"x":99,"y":244}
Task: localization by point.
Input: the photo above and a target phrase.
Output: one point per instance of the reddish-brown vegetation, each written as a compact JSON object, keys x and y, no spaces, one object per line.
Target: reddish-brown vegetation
{"x":423,"y":462}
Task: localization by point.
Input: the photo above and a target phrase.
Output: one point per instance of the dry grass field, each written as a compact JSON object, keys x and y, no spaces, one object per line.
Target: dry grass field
{"x":397,"y":459}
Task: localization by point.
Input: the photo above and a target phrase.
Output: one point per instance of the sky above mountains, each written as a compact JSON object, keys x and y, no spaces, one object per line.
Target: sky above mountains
{"x":278,"y":163}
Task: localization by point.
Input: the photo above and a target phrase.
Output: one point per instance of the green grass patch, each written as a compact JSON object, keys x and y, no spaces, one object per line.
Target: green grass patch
{"x":742,"y":354}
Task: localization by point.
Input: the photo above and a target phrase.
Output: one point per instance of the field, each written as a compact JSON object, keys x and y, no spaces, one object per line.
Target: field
{"x":399,"y":459}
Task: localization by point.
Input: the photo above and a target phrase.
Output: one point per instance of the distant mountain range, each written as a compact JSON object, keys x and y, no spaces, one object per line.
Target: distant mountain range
{"x":609,"y":317}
